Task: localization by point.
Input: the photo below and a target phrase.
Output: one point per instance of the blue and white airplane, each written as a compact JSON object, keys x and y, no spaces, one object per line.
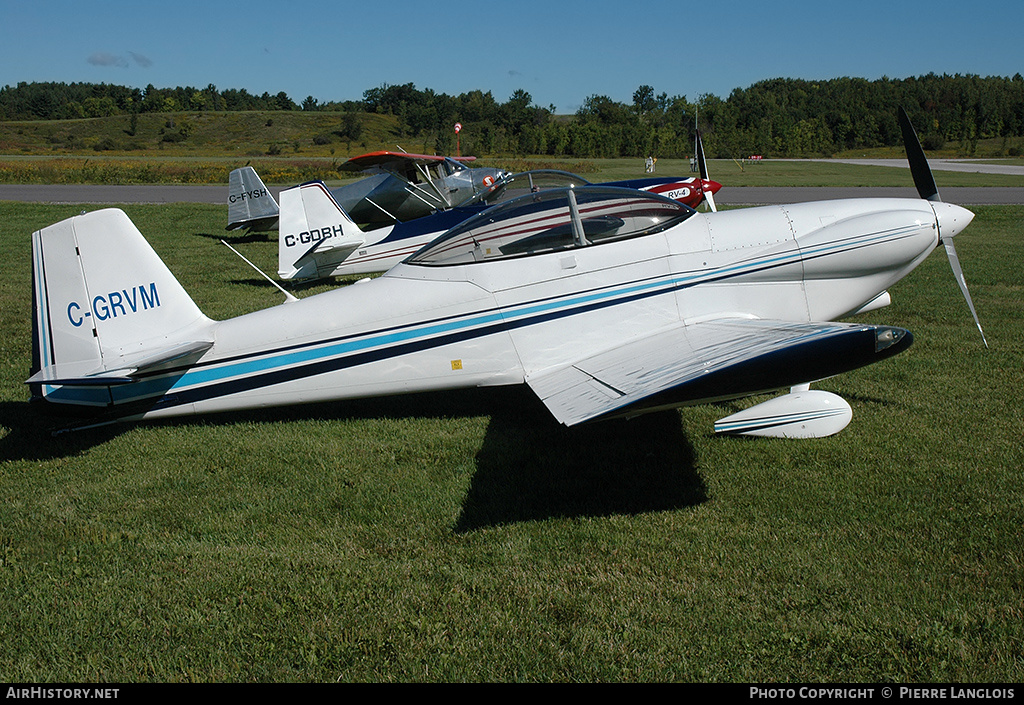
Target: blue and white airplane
{"x":324,"y":232}
{"x":318,"y":238}
{"x":606,"y":302}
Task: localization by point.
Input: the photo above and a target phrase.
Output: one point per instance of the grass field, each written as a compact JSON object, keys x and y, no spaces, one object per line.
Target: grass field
{"x":466,"y":537}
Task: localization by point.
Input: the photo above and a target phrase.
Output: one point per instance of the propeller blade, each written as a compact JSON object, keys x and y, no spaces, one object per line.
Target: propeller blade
{"x":701,"y":163}
{"x":954,"y":263}
{"x":710,"y":198}
{"x":919,"y":169}
{"x":926,"y":188}
{"x":703,"y":166}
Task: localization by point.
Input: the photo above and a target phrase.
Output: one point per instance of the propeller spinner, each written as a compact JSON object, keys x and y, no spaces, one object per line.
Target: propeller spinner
{"x":951,"y":219}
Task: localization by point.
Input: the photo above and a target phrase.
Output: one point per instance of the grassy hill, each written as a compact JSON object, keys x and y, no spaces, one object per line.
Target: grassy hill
{"x":288,"y":147}
{"x":203,"y":134}
{"x":285,"y":147}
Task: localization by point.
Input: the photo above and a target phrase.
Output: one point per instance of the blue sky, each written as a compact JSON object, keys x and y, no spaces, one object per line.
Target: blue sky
{"x":560,"y":51}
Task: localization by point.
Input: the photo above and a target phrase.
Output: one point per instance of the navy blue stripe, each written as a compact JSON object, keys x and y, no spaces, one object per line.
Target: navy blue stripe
{"x":352,"y":360}
{"x":290,"y":374}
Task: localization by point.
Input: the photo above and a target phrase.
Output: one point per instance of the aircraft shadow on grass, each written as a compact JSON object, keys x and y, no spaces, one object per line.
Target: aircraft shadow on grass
{"x":528,"y":468}
{"x":256,"y":281}
{"x":531,"y":468}
{"x":239,"y":239}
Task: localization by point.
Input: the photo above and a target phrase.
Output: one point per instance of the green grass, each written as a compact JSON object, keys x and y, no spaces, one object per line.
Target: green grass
{"x":466,"y":537}
{"x":283,"y":171}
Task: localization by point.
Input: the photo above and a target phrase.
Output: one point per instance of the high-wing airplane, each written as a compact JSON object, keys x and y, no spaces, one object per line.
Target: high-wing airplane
{"x":606,"y":302}
{"x":400,"y":187}
{"x":317,"y":237}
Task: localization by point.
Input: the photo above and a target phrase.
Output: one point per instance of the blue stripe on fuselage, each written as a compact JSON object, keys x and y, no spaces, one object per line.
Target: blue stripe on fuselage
{"x":262,"y":369}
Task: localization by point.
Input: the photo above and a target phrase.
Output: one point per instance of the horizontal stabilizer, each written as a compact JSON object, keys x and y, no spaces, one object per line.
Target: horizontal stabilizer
{"x":65,"y":376}
{"x":124,"y":371}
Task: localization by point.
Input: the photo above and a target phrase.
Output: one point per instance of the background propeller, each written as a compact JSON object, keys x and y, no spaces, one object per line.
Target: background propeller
{"x":926,"y":188}
{"x":702,"y":164}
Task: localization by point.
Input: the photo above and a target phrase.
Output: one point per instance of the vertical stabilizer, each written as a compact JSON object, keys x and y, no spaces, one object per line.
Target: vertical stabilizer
{"x":315,"y":232}
{"x":105,"y":305}
{"x":250,"y":203}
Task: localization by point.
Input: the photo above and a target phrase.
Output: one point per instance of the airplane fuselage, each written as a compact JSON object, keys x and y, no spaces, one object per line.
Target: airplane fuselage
{"x":421,"y":327}
{"x":384,"y":246}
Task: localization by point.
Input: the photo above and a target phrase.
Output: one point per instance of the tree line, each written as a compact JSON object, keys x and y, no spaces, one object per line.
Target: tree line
{"x":69,"y":101}
{"x":777,"y":117}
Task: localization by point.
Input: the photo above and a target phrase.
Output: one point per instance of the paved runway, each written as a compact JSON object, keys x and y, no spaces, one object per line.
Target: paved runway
{"x":965,"y":196}
{"x":729,"y":195}
{"x":963,"y":165}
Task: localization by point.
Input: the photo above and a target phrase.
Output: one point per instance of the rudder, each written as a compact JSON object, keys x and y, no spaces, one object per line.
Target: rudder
{"x":104,"y":307}
{"x":315,"y":232}
{"x":250,"y":203}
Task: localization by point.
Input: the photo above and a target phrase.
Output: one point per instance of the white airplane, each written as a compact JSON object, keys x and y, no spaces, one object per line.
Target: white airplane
{"x":606,"y":302}
{"x":317,"y":237}
{"x":321,"y":233}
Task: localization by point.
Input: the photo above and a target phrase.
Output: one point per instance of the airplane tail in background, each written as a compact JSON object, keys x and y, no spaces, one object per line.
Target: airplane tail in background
{"x":250,"y":203}
{"x":316,"y":234}
{"x":105,"y":310}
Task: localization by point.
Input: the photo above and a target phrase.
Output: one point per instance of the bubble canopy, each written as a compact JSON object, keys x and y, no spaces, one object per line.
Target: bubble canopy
{"x":553,"y":220}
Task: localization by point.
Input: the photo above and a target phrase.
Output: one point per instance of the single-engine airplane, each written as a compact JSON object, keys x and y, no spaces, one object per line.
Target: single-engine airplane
{"x":401,"y":187}
{"x":606,"y":302}
{"x":321,"y":237}
{"x":317,"y":238}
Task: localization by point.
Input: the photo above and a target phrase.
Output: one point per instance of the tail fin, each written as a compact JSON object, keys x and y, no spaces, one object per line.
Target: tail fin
{"x":250,"y":204}
{"x":316,"y":233}
{"x":105,"y":308}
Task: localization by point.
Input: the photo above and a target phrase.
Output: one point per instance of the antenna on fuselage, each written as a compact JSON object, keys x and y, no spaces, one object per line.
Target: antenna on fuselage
{"x":288,"y":297}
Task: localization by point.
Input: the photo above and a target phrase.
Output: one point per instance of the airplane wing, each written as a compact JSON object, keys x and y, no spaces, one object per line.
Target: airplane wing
{"x":376,"y":162}
{"x":709,"y":361}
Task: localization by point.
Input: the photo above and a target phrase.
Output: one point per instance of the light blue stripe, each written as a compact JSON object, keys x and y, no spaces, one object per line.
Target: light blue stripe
{"x":670,"y":282}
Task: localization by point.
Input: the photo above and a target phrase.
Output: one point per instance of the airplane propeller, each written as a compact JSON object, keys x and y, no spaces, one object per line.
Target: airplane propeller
{"x":926,"y":188}
{"x":702,"y":164}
